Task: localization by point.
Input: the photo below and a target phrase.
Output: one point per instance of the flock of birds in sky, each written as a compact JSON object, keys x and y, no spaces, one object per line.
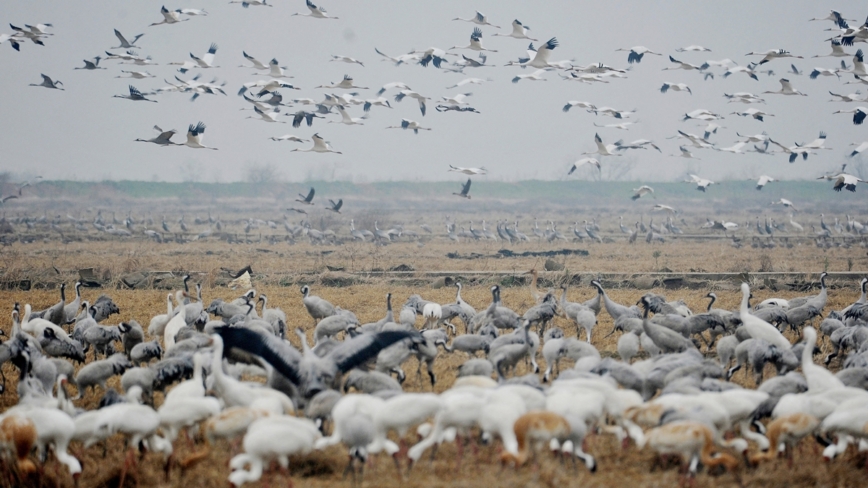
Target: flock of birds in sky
{"x":272,"y":106}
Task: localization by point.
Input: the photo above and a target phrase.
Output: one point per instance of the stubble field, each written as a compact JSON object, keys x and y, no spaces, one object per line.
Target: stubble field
{"x":280,"y":269}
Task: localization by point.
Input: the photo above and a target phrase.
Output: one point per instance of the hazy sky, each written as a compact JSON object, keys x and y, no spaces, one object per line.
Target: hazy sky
{"x":83,"y":133}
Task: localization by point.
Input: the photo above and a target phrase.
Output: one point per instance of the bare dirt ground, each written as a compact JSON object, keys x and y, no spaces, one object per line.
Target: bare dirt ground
{"x":280,"y":268}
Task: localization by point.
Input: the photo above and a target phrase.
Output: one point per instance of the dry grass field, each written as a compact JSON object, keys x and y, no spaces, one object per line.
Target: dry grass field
{"x":279,"y":270}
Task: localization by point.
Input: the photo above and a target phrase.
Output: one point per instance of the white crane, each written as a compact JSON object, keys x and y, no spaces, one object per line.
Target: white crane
{"x":756,"y":137}
{"x":48,"y":83}
{"x":255,"y":3}
{"x":394,"y":84}
{"x":859,"y":149}
{"x":773,"y":54}
{"x":139,"y":75}
{"x":681,"y":65}
{"x":346,"y":119}
{"x":479,"y":19}
{"x":404,"y":58}
{"x":408,"y":124}
{"x":468,"y":171}
{"x":541,"y":58}
{"x":519,"y":31}
{"x":194,"y":136}
{"x":207,"y":59}
{"x":666,"y":208}
{"x":266,"y":115}
{"x":684,"y":153}
{"x":467,"y":81}
{"x":695,"y":140}
{"x":410,"y":93}
{"x":315,"y":12}
{"x":763,"y":181}
{"x":319,"y":145}
{"x":169,"y":17}
{"x":735,"y":149}
{"x":135,"y":95}
{"x":786,"y":203}
{"x":637,"y":144}
{"x":675,"y":87}
{"x":603,"y":149}
{"x":475,"y":42}
{"x":577,"y":103}
{"x":641,"y":191}
{"x":622,"y":126}
{"x":834,"y":16}
{"x":288,"y":137}
{"x":692,"y":48}
{"x":794,"y":151}
{"x":347,"y":59}
{"x":345,"y":84}
{"x":842,"y":181}
{"x":837,"y":51}
{"x":124,"y":43}
{"x":755,"y":113}
{"x":858,"y":65}
{"x":636,"y":53}
{"x":758,"y":328}
{"x":582,"y":162}
{"x":701,"y":183}
{"x":257,"y":64}
{"x":786,"y":89}
{"x":748,"y":70}
{"x":859,"y":113}
{"x":824,"y":72}
{"x":11,"y":40}
{"x":536,"y":75}
{"x":818,"y":143}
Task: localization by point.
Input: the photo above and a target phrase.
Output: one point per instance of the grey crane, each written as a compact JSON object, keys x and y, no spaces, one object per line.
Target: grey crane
{"x":306,"y":199}
{"x":507,"y":356}
{"x":616,"y":310}
{"x":308,"y":372}
{"x":465,"y":190}
{"x":317,"y":307}
{"x":664,"y":338}
{"x":48,"y":83}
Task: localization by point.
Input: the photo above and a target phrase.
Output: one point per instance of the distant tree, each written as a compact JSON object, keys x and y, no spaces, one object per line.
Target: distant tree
{"x":262,"y":173}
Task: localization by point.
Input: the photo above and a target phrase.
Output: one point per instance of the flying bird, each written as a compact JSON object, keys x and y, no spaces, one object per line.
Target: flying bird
{"x":519,"y":31}
{"x":701,"y":183}
{"x":136,"y":96}
{"x":468,"y":171}
{"x":636,"y":53}
{"x":479,"y":19}
{"x":763,"y":181}
{"x":194,"y":136}
{"x":124,"y":43}
{"x":842,"y":181}
{"x":675,"y":87}
{"x":641,"y":191}
{"x":583,"y":161}
{"x":465,"y":190}
{"x":306,"y":199}
{"x":335,"y":207}
{"x":408,"y":124}
{"x":319,"y":145}
{"x":315,"y":12}
{"x":163,"y":138}
{"x":91,"y":65}
{"x":48,"y":83}
{"x":288,"y":137}
{"x":785,"y":203}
